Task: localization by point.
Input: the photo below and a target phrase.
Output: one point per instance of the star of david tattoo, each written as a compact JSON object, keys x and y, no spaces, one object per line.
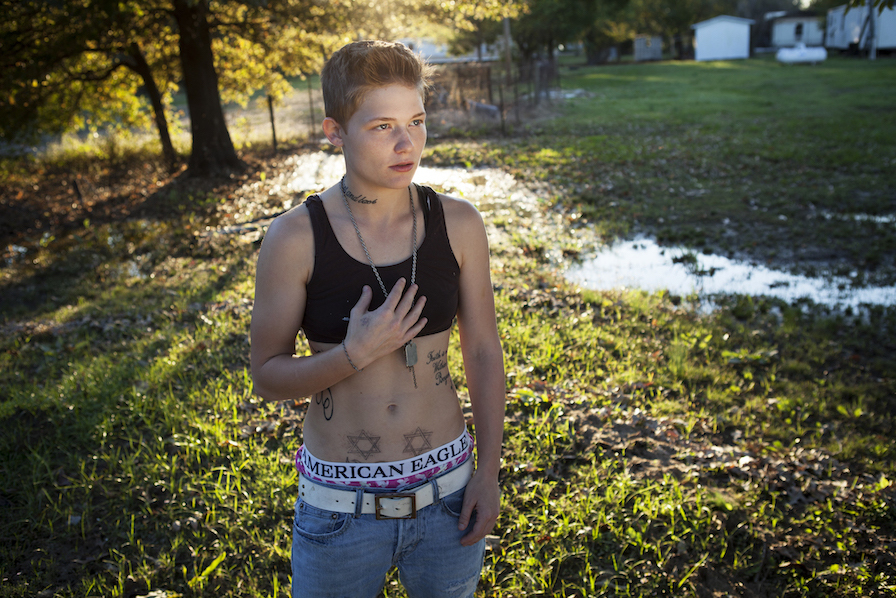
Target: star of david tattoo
{"x":364,"y":444}
{"x":418,"y":442}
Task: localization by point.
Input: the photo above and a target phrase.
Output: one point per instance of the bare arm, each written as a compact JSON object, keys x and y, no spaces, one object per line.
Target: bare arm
{"x":484,"y":367}
{"x":285,"y":265}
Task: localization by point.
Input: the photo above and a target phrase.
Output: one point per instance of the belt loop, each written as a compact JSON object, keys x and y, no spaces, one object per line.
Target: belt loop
{"x":359,"y":501}
{"x":434,"y":482}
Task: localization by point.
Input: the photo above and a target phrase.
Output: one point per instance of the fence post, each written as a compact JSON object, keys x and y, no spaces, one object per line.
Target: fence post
{"x":537,"y":76}
{"x":459,"y":86}
{"x":488,"y":79}
{"x":508,"y":50}
{"x":501,"y":98}
{"x":273,"y":128}
{"x":557,"y":81}
{"x":310,"y":110}
{"x":531,"y":83}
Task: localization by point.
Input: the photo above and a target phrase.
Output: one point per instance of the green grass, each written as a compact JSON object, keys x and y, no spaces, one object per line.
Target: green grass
{"x":650,"y":449}
{"x":730,"y":157}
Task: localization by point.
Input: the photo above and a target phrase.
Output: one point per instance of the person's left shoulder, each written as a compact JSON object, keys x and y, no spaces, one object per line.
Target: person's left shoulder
{"x":466,"y":229}
{"x":458,"y":211}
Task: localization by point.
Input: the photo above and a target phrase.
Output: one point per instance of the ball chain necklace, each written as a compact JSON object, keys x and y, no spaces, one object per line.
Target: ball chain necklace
{"x":410,"y":349}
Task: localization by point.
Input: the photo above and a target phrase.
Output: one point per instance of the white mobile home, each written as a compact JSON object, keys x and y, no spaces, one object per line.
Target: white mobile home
{"x":792,"y":28}
{"x":722,"y":38}
{"x":851,"y":29}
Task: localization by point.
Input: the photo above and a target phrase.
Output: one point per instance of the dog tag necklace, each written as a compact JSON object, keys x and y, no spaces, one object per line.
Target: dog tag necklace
{"x":410,"y":349}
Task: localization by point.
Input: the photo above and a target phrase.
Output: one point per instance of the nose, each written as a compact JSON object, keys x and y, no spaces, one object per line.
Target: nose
{"x":403,"y":143}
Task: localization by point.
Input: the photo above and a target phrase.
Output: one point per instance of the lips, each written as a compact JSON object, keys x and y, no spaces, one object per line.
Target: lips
{"x":403,"y":167}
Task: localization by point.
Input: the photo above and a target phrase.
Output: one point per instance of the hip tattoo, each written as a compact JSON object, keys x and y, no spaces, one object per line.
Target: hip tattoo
{"x":365,"y":444}
{"x":325,"y":400}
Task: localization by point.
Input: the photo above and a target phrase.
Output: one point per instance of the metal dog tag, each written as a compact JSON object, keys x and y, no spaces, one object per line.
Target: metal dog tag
{"x":410,"y":354}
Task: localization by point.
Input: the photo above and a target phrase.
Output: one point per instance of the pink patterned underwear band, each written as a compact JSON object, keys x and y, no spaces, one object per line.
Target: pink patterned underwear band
{"x":390,"y":474}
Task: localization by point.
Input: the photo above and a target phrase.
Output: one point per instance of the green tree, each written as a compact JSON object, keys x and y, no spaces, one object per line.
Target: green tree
{"x":477,"y":22}
{"x":822,"y":6}
{"x":880,"y":5}
{"x":466,"y":13}
{"x":548,"y":23}
{"x":213,"y":149}
{"x":56,"y":76}
{"x":67,"y":65}
{"x":482,"y":32}
{"x":613,"y":24}
{"x":673,"y":18}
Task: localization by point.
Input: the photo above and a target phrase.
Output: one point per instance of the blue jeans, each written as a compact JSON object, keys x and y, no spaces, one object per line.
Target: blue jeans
{"x":338,"y":555}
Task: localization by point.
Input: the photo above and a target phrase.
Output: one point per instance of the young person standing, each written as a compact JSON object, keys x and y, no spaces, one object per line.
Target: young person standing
{"x":374,"y":271}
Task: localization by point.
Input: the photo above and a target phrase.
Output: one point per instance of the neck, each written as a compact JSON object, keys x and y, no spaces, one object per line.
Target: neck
{"x":359,"y":199}
{"x":360,"y":193}
{"x":382,"y":204}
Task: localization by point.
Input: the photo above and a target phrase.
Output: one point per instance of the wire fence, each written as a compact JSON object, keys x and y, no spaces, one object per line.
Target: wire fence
{"x":463,"y":93}
{"x":485,"y":92}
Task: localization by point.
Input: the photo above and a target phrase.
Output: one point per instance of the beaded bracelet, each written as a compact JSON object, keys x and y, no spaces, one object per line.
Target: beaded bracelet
{"x":350,"y":362}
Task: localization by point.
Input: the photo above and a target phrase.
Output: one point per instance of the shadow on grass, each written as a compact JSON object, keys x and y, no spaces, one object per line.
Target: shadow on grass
{"x":649,"y":449}
{"x":123,"y":346}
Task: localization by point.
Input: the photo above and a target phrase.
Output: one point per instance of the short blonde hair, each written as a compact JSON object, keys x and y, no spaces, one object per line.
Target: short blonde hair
{"x":359,"y":67}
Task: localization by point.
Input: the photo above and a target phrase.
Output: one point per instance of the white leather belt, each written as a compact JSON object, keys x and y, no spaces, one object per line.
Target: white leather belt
{"x":385,"y":505}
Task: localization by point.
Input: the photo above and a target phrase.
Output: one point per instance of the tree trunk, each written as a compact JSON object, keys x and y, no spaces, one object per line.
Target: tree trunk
{"x":595,"y":53}
{"x":141,"y":67}
{"x":213,"y":152}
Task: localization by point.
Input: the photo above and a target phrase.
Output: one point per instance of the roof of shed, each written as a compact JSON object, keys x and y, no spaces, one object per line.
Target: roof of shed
{"x":722,"y":18}
{"x":797,"y":14}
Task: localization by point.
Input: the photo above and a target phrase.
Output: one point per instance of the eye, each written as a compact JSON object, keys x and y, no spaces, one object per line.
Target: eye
{"x":417,"y":122}
{"x":382,"y":127}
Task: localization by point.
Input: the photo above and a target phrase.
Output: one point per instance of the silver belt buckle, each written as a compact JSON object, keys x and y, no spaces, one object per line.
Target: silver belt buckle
{"x":379,"y":507}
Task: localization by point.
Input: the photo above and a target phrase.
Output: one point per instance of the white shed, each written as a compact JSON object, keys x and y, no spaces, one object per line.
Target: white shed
{"x":722,"y":38}
{"x":790,"y":29}
{"x":648,"y":47}
{"x":845,"y":29}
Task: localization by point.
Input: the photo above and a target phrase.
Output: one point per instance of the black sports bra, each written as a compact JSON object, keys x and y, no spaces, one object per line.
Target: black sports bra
{"x":336,"y":282}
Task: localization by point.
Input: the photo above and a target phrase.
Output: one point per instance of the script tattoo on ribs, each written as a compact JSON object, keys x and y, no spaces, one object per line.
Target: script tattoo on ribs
{"x":439,"y":362}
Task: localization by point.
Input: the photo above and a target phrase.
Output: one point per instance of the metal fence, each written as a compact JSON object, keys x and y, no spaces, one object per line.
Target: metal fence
{"x":484,"y":92}
{"x":462,"y":93}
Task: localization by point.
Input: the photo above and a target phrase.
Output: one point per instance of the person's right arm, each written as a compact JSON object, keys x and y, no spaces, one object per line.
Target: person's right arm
{"x":285,"y":264}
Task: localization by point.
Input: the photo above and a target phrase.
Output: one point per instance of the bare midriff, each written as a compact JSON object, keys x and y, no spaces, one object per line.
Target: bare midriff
{"x":377,"y":415}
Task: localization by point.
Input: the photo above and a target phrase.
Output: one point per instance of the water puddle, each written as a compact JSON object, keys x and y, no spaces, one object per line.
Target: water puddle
{"x":491,"y":190}
{"x":635,"y":264}
{"x":642,"y":264}
{"x":497,"y":195}
{"x":885,"y":219}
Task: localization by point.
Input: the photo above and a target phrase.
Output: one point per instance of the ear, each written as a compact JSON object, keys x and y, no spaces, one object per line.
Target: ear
{"x":333,"y":130}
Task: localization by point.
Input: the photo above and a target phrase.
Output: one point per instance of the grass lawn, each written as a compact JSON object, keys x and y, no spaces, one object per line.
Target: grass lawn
{"x":788,"y":165}
{"x":650,"y":449}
